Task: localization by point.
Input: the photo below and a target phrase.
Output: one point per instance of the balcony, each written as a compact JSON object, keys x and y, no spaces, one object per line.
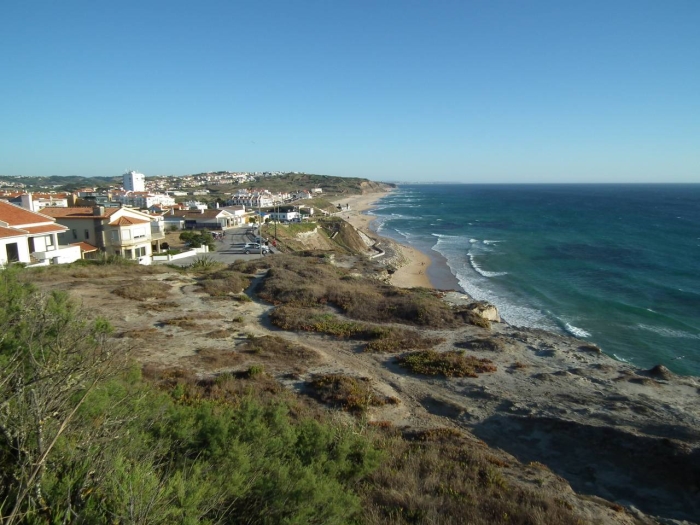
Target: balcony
{"x":62,"y":255}
{"x":157,"y":232}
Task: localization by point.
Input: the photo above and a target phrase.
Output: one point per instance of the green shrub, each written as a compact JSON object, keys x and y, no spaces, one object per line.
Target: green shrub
{"x":350,"y":393}
{"x":452,"y":363}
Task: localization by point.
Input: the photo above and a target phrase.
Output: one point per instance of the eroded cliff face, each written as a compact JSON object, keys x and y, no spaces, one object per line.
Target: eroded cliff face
{"x":373,"y":187}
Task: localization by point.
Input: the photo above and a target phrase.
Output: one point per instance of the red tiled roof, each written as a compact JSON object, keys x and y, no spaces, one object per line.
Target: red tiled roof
{"x":17,"y":216}
{"x":82,"y":212}
{"x":48,"y":228}
{"x":196,"y":214}
{"x":85,"y":247}
{"x":10,"y":232}
{"x":128,"y":221}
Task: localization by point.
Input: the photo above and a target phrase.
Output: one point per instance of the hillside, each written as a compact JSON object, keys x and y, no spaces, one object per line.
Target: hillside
{"x":291,"y":350}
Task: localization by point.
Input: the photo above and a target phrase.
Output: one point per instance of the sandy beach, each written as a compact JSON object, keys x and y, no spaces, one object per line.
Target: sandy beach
{"x":411,"y":274}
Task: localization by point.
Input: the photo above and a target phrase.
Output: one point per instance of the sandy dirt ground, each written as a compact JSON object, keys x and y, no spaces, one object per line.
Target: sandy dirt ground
{"x":624,"y":434}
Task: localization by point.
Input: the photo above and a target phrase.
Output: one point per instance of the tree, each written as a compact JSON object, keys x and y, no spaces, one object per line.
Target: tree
{"x":51,"y":358}
{"x":197,"y":239}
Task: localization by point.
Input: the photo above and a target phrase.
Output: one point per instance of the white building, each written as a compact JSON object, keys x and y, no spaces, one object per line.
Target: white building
{"x":142,"y":199}
{"x":134,"y":181}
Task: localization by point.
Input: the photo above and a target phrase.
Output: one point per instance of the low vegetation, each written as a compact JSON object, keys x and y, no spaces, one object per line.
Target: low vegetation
{"x":382,"y":338}
{"x":89,"y":438}
{"x":452,"y":363}
{"x":491,"y":344}
{"x":224,"y":283}
{"x":354,"y":394}
{"x":307,"y":280}
{"x":440,"y":476}
{"x":139,"y":290}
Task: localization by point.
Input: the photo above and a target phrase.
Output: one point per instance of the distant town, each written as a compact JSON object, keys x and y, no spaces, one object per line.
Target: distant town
{"x":42,"y":222}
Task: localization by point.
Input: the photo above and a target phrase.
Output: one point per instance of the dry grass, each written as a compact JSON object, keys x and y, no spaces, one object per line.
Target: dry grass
{"x":440,"y":477}
{"x":140,"y":290}
{"x":191,"y":321}
{"x":354,"y":394}
{"x":159,"y":306}
{"x":452,"y":363}
{"x":92,"y":270}
{"x":381,"y":338}
{"x":212,"y":359}
{"x":224,"y":283}
{"x":140,"y":333}
{"x":491,"y":344}
{"x":280,"y":350}
{"x":311,"y":281}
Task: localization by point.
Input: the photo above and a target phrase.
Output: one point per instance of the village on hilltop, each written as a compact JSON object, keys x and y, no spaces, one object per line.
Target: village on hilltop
{"x":45,"y":226}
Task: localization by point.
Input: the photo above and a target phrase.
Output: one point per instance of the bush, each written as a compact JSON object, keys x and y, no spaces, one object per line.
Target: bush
{"x":143,"y":290}
{"x":197,"y":239}
{"x":382,"y":338}
{"x":350,"y":393}
{"x":452,"y":363}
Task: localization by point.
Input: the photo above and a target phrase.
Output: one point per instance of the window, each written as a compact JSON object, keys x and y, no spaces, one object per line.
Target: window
{"x":140,"y":252}
{"x":49,"y":240}
{"x":139,"y":233}
{"x":87,"y":234}
{"x":75,"y":235}
{"x":114,"y":235}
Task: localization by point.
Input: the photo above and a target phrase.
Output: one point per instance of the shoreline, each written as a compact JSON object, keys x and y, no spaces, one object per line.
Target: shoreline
{"x":415,"y":270}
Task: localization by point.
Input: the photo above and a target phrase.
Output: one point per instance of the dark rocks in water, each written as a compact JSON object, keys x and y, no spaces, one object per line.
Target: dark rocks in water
{"x":660,"y":372}
{"x":590,"y":347}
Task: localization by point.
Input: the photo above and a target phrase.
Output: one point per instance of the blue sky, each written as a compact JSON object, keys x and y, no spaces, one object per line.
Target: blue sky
{"x":468,"y":91}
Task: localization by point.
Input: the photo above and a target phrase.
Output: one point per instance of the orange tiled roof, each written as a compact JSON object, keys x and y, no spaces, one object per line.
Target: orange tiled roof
{"x":128,"y":221}
{"x":17,"y":216}
{"x":10,"y":232}
{"x":80,"y":212}
{"x":85,"y":247}
{"x":47,"y":228}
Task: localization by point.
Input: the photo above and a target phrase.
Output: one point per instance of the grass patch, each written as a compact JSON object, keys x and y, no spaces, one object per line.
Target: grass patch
{"x":381,"y":338}
{"x":279,"y":349}
{"x":224,"y":283}
{"x":214,"y":358}
{"x":159,"y":306}
{"x":441,"y":476}
{"x":143,"y":290}
{"x":190,"y":322}
{"x":490,"y":344}
{"x":452,"y":363}
{"x":354,"y":394}
{"x":307,"y":280}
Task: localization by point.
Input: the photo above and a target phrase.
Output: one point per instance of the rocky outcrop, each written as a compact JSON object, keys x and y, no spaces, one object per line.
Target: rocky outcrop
{"x":485,"y":311}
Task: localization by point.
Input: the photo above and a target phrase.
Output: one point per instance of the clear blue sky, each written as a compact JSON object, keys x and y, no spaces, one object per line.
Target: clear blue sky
{"x":470,"y":91}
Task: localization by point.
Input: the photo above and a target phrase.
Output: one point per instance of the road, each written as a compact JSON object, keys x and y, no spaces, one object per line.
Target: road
{"x":227,"y":251}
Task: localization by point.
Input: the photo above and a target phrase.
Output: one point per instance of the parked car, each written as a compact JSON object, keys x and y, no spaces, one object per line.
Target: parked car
{"x":254,"y":247}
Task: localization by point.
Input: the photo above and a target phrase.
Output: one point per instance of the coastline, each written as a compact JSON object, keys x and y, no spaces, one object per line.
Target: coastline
{"x":414,"y":271}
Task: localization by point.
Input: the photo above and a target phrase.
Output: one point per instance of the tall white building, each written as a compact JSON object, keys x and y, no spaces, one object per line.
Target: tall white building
{"x":134,"y":181}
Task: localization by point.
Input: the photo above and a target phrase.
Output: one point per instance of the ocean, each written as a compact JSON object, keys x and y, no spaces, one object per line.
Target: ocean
{"x":616,"y":265}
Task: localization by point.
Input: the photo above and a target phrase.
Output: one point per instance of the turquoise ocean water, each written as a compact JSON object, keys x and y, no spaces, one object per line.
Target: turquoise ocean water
{"x":617,"y":265}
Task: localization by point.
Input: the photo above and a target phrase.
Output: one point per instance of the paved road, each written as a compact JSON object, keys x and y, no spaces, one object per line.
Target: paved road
{"x":227,"y":251}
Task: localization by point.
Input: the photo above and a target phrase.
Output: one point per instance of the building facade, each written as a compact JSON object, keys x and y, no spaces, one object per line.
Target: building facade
{"x":134,"y":181}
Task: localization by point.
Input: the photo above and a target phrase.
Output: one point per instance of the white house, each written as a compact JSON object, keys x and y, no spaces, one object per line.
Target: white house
{"x":115,"y":231}
{"x":31,"y":238}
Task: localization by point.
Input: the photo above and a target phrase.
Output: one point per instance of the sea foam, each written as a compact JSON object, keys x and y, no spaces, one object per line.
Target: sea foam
{"x":481,"y":271}
{"x":576,"y":331}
